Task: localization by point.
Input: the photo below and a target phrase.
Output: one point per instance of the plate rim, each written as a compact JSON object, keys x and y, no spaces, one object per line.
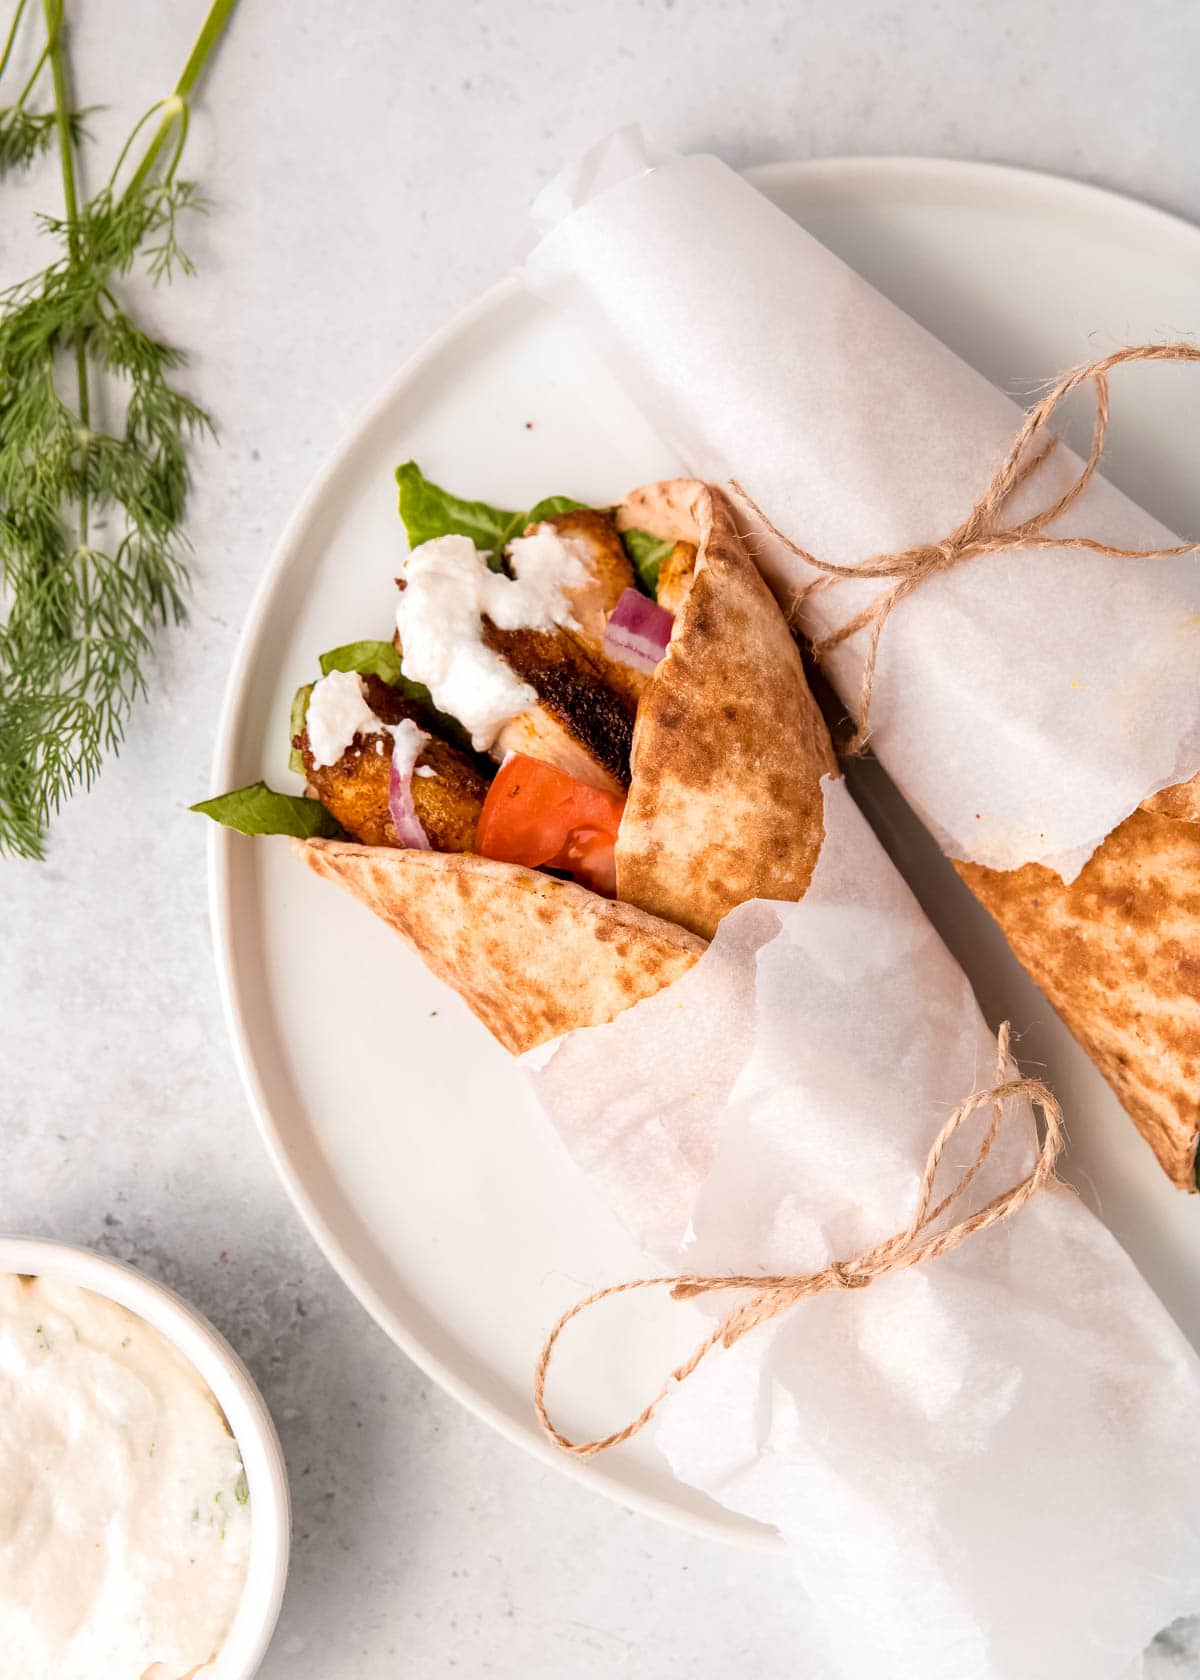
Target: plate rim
{"x":848,"y":169}
{"x":1050,"y":181}
{"x":220,"y":853}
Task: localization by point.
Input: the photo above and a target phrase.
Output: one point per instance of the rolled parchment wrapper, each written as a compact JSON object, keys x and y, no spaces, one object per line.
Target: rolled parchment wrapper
{"x":1026,"y":703}
{"x":988,"y":1465}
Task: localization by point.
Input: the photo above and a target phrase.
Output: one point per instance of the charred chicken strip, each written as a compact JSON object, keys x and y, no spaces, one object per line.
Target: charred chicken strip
{"x":579,"y":723}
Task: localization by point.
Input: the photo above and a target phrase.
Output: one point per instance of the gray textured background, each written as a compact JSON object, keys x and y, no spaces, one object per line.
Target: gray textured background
{"x":370,"y":164}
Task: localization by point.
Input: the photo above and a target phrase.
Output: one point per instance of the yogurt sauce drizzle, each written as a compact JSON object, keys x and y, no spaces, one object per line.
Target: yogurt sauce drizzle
{"x":337,"y":712}
{"x":124,"y":1522}
{"x":449,"y":590}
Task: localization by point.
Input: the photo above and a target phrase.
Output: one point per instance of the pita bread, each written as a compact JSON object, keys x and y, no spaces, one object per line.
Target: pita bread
{"x":1117,"y":952}
{"x":533,"y":956}
{"x":725,"y":802}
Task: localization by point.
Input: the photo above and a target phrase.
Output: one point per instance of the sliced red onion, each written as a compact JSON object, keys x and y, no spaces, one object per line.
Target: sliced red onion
{"x":638,"y":631}
{"x":408,"y":745}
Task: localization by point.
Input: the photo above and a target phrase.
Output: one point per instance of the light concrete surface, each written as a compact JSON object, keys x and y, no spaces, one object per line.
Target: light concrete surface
{"x":369,"y":165}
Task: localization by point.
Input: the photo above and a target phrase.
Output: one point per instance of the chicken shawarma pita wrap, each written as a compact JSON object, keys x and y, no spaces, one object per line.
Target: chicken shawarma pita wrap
{"x":590,"y":738}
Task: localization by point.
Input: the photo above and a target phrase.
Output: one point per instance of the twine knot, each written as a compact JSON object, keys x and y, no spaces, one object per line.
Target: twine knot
{"x":917,"y":1242}
{"x":933,"y":557}
{"x":986,"y":529}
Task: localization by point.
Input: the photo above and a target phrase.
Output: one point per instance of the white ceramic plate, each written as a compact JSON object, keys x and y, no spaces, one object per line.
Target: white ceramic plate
{"x":403,"y":1134}
{"x":245,"y":1411}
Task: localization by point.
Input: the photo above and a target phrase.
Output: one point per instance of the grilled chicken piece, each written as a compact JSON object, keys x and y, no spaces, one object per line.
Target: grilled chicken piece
{"x":583,"y":719}
{"x":595,"y":536}
{"x":579,"y":722}
{"x":355,"y":789}
{"x":662,"y":510}
{"x":675,"y":576}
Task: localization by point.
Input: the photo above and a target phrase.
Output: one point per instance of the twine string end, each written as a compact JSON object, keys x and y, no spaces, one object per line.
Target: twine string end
{"x":769,"y":1295}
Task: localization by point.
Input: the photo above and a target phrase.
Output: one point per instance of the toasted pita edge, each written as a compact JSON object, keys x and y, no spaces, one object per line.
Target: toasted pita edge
{"x":533,"y":956}
{"x":1182,"y":801}
{"x":1115,"y":951}
{"x":729,"y":750}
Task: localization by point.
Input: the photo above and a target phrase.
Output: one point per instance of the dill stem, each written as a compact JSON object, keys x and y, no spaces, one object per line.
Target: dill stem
{"x":31,"y":79}
{"x":218,"y":16}
{"x":12,"y":35}
{"x":66,"y":151}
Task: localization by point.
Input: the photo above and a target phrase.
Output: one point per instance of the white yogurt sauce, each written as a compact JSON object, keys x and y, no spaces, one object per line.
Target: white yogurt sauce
{"x":337,"y":712}
{"x":408,"y":743}
{"x":124,"y":1522}
{"x":449,"y":590}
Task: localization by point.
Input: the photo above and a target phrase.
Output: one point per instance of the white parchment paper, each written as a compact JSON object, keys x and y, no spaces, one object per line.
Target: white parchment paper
{"x":1025,"y":703}
{"x":987,"y":1468}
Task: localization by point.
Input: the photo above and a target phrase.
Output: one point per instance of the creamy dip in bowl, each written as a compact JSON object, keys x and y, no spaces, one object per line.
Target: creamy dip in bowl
{"x":144,"y":1510}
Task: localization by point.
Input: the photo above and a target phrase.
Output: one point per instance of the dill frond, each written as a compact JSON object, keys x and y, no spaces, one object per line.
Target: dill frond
{"x":93,"y":558}
{"x":26,"y":134}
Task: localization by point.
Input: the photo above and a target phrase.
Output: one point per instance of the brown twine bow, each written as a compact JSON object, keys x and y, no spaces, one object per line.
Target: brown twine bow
{"x":983,"y":530}
{"x":910,"y":1247}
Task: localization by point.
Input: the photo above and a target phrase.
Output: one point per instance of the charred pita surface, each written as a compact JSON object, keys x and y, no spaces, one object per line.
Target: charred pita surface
{"x":1182,"y":800}
{"x":1117,"y":953}
{"x":729,"y":751}
{"x":666,"y":510}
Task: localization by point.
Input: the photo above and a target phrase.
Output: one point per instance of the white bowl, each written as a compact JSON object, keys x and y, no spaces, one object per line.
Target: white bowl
{"x":245,"y":1410}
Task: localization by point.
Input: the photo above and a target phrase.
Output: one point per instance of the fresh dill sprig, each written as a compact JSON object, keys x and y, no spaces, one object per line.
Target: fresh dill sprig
{"x":25,"y":134}
{"x":92,"y":553}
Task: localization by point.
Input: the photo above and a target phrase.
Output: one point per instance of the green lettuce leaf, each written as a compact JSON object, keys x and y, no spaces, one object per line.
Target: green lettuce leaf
{"x":380,"y":659}
{"x":428,"y":511}
{"x":647,"y":554}
{"x":547,"y":508}
{"x":296,"y":724}
{"x":258,"y":809}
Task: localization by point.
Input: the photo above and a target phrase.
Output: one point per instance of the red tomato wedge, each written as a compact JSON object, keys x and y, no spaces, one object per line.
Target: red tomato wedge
{"x":539,"y":816}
